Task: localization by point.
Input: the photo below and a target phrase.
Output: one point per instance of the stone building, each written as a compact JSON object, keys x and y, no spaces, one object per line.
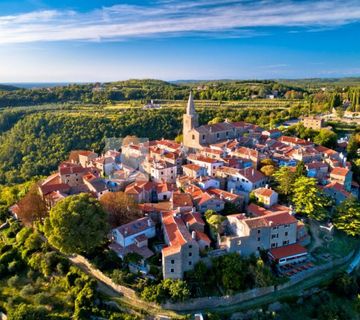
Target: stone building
{"x":314,"y":123}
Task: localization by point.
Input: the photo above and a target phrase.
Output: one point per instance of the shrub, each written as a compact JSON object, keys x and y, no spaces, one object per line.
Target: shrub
{"x":14,"y":281}
{"x":15,"y":266}
{"x":27,"y":291}
{"x":23,"y":235}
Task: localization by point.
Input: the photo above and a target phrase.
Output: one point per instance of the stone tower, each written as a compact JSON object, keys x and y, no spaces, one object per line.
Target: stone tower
{"x":190,"y":120}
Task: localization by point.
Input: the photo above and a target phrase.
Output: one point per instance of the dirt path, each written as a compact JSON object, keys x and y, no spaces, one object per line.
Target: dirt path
{"x":125,"y":298}
{"x":317,"y":242}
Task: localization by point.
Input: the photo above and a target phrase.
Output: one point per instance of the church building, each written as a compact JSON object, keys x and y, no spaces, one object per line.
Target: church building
{"x":196,"y":137}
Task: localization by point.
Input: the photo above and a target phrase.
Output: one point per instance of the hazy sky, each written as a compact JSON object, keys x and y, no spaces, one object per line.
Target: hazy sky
{"x":94,"y":40}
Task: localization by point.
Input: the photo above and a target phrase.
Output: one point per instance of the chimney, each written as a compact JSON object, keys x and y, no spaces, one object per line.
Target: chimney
{"x":193,"y":210}
{"x":232,"y":190}
{"x":149,"y":223}
{"x":193,"y":235}
{"x":267,"y":186}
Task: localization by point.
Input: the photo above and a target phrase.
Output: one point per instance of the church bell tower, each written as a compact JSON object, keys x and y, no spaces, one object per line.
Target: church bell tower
{"x":190,"y":119}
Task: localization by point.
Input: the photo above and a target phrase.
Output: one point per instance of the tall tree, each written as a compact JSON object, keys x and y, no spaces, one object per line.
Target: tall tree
{"x":326,"y":138}
{"x":285,"y":179}
{"x":76,"y":224}
{"x":309,"y":199}
{"x":120,"y":207}
{"x":300,"y":169}
{"x":32,"y":207}
{"x":347,"y":217}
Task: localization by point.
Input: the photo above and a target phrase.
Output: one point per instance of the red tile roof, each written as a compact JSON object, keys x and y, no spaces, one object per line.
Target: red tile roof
{"x":338,"y":171}
{"x":338,"y":187}
{"x":265,"y":192}
{"x":252,"y":175}
{"x":181,"y":200}
{"x":287,"y":251}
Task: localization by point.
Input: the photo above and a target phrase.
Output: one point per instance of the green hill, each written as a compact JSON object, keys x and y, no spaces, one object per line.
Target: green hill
{"x":5,"y":87}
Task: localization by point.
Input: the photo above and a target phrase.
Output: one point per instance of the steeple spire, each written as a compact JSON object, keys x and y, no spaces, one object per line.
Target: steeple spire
{"x":190,"y":110}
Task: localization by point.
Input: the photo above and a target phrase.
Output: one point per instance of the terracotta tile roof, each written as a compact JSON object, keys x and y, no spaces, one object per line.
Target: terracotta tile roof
{"x":294,"y":140}
{"x":338,"y":187}
{"x":192,"y":166}
{"x":200,"y":158}
{"x":217,"y":127}
{"x":338,"y":171}
{"x":228,"y":196}
{"x":193,"y":218}
{"x":325,"y":150}
{"x":246,"y":152}
{"x":265,"y":192}
{"x":267,"y":218}
{"x":175,"y":228}
{"x":62,"y":187}
{"x":316,"y":165}
{"x":138,"y":187}
{"x":66,"y":168}
{"x":287,"y":251}
{"x":257,"y":210}
{"x":181,"y":200}
{"x":252,"y":175}
{"x":169,"y":144}
{"x":211,"y":151}
{"x":53,"y":179}
{"x":202,"y":236}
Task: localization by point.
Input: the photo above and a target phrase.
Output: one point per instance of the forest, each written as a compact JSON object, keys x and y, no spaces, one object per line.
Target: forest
{"x":33,"y":144}
{"x":145,"y":90}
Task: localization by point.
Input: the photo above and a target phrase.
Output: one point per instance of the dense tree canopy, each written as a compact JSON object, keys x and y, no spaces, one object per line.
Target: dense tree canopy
{"x":326,"y":138}
{"x":76,"y":224}
{"x":285,"y":179}
{"x":347,"y":217}
{"x":308,"y":198}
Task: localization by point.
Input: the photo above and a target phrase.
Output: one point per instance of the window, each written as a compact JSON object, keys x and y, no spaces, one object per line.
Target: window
{"x":171,"y":270}
{"x":190,"y":246}
{"x":285,"y":242}
{"x":218,"y":135}
{"x":203,"y":137}
{"x":227,"y":133}
{"x":286,"y":234}
{"x":259,"y":230}
{"x":193,"y":137}
{"x":258,"y":239}
{"x":172,"y":261}
{"x":190,"y":263}
{"x":162,"y":172}
{"x":190,"y":254}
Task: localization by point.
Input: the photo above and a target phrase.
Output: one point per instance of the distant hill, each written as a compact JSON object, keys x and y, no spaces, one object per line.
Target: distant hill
{"x":5,"y":87}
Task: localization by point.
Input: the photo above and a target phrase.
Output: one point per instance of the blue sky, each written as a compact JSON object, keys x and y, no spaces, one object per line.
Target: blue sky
{"x":78,"y":40}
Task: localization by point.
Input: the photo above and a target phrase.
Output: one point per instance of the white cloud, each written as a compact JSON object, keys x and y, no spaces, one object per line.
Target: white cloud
{"x":225,"y":18}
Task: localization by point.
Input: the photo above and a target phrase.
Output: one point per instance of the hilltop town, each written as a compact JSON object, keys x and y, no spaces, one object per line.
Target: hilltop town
{"x":210,"y":195}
